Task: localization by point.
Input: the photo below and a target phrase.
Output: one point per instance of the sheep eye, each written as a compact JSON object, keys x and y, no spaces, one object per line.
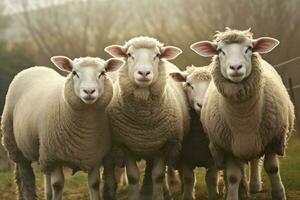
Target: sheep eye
{"x":129,"y":55}
{"x":156,"y":56}
{"x":248,"y":49}
{"x":101,"y":74}
{"x":189,"y":85}
{"x":75,"y":74}
{"x":221,"y":51}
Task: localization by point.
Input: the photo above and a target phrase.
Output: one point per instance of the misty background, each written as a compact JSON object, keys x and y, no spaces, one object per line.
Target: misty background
{"x":31,"y":31}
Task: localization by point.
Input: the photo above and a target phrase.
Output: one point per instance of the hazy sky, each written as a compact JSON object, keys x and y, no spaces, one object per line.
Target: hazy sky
{"x":14,"y":5}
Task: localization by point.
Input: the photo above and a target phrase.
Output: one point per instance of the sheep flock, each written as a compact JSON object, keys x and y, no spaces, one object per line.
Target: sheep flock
{"x":139,"y":106}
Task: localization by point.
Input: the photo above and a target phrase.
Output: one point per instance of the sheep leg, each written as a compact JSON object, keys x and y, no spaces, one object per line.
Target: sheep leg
{"x":123,"y":181}
{"x":243,"y":189}
{"x":147,"y":190}
{"x":25,"y":180}
{"x":47,"y":185}
{"x":234,"y":177}
{"x":188,"y":182}
{"x":255,"y":176}
{"x":172,"y":178}
{"x":158,"y":178}
{"x":271,"y":166}
{"x":133,"y":178}
{"x":57,"y":182}
{"x":94,"y":183}
{"x":211,"y":179}
{"x":110,"y":182}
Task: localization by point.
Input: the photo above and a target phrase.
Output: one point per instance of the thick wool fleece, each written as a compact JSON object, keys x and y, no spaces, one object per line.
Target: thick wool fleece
{"x":246,"y":119}
{"x":143,"y":120}
{"x":45,"y":121}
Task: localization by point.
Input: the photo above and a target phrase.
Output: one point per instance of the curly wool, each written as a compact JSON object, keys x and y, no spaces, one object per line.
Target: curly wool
{"x":60,"y":129}
{"x":246,"y":119}
{"x":143,"y":120}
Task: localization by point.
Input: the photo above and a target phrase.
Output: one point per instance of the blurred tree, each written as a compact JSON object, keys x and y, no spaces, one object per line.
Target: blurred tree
{"x":85,"y":27}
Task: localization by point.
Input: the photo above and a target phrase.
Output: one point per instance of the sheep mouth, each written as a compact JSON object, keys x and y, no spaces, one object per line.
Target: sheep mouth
{"x":143,"y":80}
{"x":89,"y":99}
{"x":236,"y":75}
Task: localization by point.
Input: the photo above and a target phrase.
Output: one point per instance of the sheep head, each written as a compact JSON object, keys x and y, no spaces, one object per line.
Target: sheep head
{"x":143,"y":56}
{"x":196,"y":81}
{"x":234,"y":49}
{"x":88,"y":74}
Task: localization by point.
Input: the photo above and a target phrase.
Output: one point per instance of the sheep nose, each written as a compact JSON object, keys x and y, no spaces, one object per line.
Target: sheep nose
{"x":199,"y":105}
{"x":144,"y":73}
{"x":235,"y":67}
{"x":89,"y":91}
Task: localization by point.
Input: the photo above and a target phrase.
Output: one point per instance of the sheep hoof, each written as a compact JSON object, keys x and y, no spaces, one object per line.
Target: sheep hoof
{"x":146,"y":197}
{"x":278,"y":195}
{"x":187,"y":198}
{"x":255,"y":188}
{"x":214,"y":196}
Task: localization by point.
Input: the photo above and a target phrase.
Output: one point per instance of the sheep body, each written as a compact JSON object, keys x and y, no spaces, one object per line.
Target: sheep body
{"x":42,"y":121}
{"x":245,"y":119}
{"x":144,"y":121}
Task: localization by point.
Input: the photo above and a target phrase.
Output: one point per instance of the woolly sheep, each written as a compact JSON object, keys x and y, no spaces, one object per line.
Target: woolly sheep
{"x":195,"y":151}
{"x":247,"y":111}
{"x":58,"y":121}
{"x":197,"y":80}
{"x":148,"y":108}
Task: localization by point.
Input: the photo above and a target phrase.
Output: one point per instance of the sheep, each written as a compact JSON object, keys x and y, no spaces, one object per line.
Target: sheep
{"x":195,"y":150}
{"x":58,"y":121}
{"x":149,"y":111}
{"x":247,"y":112}
{"x":196,"y":83}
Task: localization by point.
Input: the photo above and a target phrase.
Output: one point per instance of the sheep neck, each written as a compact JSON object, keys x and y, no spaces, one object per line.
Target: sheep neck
{"x":239,"y":92}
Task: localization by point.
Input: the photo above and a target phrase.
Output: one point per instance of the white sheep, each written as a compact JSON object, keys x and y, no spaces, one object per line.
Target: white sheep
{"x":148,"y":109}
{"x":247,"y":111}
{"x":197,"y":80}
{"x":58,"y":121}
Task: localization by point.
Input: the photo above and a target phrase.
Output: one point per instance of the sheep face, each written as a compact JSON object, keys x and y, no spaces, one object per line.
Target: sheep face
{"x":143,"y":65}
{"x":234,"y":50}
{"x":195,"y":84}
{"x":88,"y":75}
{"x":143,"y":56}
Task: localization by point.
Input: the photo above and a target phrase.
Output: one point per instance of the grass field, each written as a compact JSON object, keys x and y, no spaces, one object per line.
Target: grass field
{"x":76,"y":186}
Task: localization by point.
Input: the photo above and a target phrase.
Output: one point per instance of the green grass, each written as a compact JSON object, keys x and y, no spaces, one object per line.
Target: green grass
{"x":76,"y":186}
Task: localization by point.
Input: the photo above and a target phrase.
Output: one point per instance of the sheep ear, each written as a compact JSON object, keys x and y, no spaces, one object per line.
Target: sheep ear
{"x":63,"y":63}
{"x":205,"y":48}
{"x":113,"y":64}
{"x":178,"y":76}
{"x":116,"y":51}
{"x":264,"y":44}
{"x":170,"y":52}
